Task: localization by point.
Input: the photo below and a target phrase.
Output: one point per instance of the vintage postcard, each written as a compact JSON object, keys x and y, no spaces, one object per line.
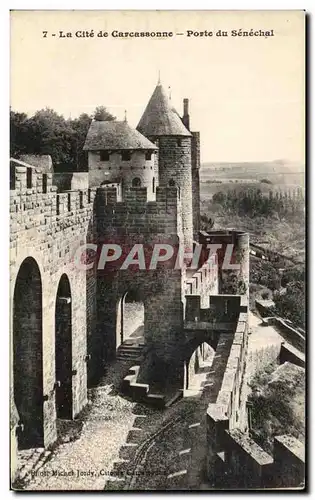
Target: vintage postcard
{"x":157,"y":250}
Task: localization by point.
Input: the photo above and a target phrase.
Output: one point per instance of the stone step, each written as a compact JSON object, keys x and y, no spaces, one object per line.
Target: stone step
{"x":127,"y":358}
{"x":129,"y":349}
{"x":128,"y":352}
{"x":133,"y":354}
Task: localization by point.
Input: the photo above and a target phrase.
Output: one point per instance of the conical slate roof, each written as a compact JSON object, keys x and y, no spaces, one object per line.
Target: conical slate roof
{"x":159,"y":118}
{"x":113,"y":135}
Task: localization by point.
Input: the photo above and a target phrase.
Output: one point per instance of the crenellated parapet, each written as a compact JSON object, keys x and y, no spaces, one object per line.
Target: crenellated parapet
{"x":232,"y":250}
{"x":136,"y":215}
{"x":34,"y":200}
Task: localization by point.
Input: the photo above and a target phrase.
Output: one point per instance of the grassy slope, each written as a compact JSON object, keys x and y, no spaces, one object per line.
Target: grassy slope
{"x":278,"y":399}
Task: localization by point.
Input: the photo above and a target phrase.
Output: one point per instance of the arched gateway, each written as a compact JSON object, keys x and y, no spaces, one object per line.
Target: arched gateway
{"x":28,"y":354}
{"x":63,"y":349}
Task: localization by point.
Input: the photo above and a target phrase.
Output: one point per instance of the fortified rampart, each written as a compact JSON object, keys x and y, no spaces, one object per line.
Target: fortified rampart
{"x":245,"y":465}
{"x":233,"y":259}
{"x":66,"y":321}
{"x":46,"y":230}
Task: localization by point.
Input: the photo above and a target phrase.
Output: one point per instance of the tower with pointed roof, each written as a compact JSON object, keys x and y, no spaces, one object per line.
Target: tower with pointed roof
{"x":161,"y":124}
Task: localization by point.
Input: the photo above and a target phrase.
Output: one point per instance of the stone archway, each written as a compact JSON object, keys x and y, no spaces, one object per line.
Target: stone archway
{"x":63,"y":349}
{"x":198,"y":362}
{"x":28,"y":354}
{"x":130,"y":318}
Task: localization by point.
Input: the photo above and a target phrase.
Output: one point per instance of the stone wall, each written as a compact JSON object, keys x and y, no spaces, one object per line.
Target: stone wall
{"x":204,"y":282}
{"x":49,"y":227}
{"x":231,"y":281}
{"x":244,"y":464}
{"x":70,"y":181}
{"x":137,"y":221}
{"x":175,"y":166}
{"x":116,"y":168}
{"x":289,"y":462}
{"x":227,"y":412}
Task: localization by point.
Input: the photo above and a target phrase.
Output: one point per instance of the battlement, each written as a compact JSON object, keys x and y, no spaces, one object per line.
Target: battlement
{"x":223,"y":237}
{"x":27,"y":179}
{"x":138,"y":195}
{"x":136,"y":215}
{"x":33,"y":194}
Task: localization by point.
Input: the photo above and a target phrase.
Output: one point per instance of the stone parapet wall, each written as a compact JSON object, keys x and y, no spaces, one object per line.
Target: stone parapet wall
{"x":246,"y":465}
{"x":136,"y":215}
{"x":225,"y":413}
{"x":49,"y":227}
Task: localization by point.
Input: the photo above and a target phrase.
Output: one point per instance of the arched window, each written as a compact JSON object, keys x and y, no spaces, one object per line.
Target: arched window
{"x":171,"y":183}
{"x":153,"y":185}
{"x":136,"y":182}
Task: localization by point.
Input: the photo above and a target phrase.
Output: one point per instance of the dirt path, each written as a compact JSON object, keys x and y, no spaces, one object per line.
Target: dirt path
{"x":85,"y":462}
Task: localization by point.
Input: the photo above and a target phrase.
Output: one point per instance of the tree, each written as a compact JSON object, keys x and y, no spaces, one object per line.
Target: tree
{"x":80,"y":127}
{"x":47,"y":132}
{"x":18,"y":133}
{"x":291,"y":305}
{"x":296,"y":273}
{"x":101,"y":114}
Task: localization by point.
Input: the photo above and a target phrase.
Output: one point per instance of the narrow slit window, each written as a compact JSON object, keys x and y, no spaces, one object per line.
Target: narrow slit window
{"x":104,"y":156}
{"x":29,"y":178}
{"x":126,"y":155}
{"x":69,"y":202}
{"x":44,"y":183}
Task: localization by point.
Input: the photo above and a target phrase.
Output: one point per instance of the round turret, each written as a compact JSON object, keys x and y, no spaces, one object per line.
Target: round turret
{"x":162,"y":125}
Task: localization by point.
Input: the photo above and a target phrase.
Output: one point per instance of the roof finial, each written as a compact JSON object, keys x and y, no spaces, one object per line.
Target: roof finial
{"x":125,"y":115}
{"x":159,"y":78}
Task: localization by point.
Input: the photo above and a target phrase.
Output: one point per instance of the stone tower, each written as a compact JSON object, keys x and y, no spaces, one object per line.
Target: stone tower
{"x":162,"y":124}
{"x":120,"y":156}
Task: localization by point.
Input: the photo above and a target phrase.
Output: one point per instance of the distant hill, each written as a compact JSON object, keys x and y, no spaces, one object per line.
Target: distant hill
{"x":277,"y":171}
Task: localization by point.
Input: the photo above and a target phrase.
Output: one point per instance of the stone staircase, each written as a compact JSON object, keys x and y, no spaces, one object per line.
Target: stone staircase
{"x":129,"y":351}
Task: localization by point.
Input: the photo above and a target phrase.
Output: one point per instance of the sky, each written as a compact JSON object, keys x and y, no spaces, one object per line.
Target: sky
{"x":246,"y":93}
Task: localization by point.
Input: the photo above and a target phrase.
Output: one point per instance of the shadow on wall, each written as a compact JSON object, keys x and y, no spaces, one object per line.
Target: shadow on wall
{"x":130,"y":317}
{"x":198,"y":364}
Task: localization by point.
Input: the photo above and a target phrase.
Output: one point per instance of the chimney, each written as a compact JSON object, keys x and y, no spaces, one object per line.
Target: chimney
{"x":185,"y":118}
